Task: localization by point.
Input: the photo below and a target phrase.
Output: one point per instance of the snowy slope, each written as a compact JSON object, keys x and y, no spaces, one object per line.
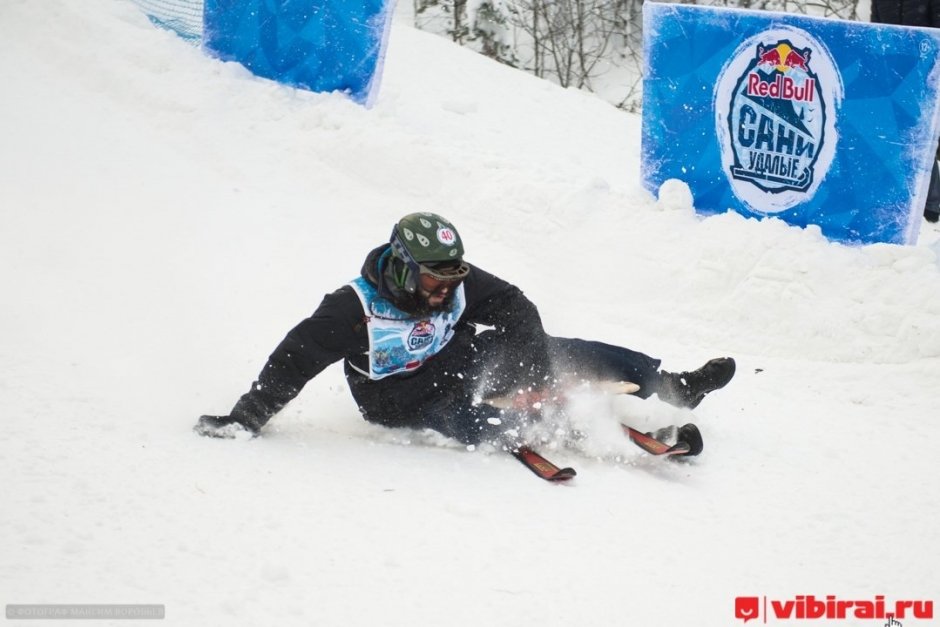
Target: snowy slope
{"x":167,"y":218}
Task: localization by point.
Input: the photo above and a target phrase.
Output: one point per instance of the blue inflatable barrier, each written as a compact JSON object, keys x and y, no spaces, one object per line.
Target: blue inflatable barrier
{"x":810,"y":120}
{"x":320,"y":45}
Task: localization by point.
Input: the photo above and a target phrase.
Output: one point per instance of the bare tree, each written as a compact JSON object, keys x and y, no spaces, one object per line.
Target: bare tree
{"x":575,"y":42}
{"x":567,"y":38}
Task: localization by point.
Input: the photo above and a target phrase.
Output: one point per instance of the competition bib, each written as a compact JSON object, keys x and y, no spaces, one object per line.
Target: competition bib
{"x":399,"y":341}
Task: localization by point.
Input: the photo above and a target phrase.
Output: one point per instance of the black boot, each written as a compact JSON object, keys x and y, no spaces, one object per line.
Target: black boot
{"x":687,"y":389}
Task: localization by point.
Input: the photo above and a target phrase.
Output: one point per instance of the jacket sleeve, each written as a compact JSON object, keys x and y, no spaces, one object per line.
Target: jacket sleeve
{"x":496,"y":303}
{"x":334,"y":331}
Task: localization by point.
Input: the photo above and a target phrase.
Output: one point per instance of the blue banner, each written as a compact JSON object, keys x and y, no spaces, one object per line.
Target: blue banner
{"x":810,"y":120}
{"x":320,"y":45}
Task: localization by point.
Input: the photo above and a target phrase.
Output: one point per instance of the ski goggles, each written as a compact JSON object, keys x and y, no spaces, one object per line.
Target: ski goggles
{"x":443,"y":272}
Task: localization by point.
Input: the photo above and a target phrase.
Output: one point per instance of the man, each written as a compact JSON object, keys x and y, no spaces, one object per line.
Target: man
{"x":914,"y":13}
{"x":426,"y":337}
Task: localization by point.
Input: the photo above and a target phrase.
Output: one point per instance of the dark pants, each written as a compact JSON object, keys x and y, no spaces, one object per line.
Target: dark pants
{"x":445,"y":393}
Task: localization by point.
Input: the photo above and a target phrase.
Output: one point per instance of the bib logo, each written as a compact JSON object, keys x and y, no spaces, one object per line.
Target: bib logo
{"x":776,"y":104}
{"x":421,"y":336}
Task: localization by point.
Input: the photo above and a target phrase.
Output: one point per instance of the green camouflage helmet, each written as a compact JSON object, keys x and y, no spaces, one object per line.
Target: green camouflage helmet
{"x":425,"y":238}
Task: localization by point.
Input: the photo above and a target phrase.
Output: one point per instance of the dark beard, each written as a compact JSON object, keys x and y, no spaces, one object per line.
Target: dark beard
{"x":422,"y":306}
{"x":417,"y":305}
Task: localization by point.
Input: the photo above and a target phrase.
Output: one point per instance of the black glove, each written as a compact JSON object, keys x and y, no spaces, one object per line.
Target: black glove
{"x":222,"y":427}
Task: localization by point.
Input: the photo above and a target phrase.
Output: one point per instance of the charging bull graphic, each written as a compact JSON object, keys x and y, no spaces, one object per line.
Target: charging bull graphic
{"x":776,"y":119}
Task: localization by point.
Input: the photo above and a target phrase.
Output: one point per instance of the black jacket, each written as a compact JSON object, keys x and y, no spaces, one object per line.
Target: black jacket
{"x":511,"y":353}
{"x":906,"y":12}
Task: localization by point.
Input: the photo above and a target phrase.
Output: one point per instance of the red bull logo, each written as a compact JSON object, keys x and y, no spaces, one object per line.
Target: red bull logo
{"x":771,"y":76}
{"x":776,"y":121}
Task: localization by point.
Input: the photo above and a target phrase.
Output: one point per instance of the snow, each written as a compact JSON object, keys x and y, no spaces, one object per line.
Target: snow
{"x":167,"y":218}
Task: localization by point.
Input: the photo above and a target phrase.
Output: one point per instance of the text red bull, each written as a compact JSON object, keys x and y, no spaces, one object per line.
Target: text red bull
{"x":783,"y":87}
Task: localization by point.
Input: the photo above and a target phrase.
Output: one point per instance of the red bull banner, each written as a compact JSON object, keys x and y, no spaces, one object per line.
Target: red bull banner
{"x":813,"y":121}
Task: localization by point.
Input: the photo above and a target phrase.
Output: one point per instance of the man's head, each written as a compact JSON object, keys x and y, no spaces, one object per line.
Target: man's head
{"x":428,"y":256}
